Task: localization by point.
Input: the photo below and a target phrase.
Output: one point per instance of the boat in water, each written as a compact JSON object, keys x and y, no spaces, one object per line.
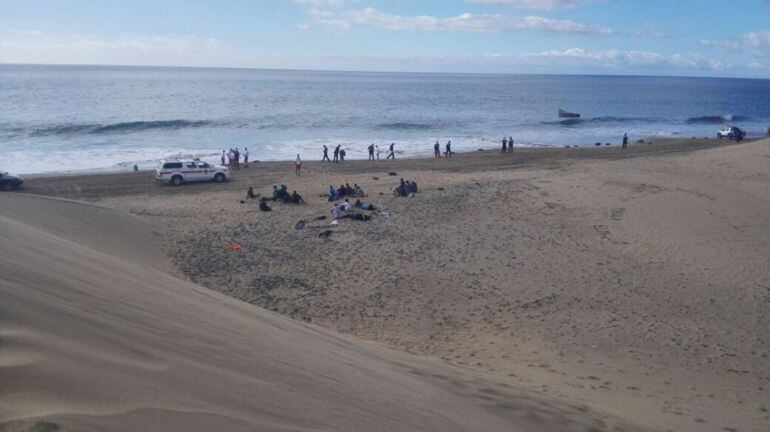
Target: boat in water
{"x":567,"y":114}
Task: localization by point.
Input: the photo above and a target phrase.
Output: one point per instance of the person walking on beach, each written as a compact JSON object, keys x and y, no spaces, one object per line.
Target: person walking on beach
{"x":625,"y":140}
{"x":377,"y":148}
{"x":371,"y":152}
{"x":505,"y":145}
{"x":510,"y":144}
{"x":448,"y":147}
{"x":237,"y":159}
{"x":245,"y":157}
{"x":298,"y":165}
{"x":336,"y":154}
{"x":392,"y":154}
{"x":223,"y":157}
{"x":437,"y":150}
{"x":342,"y":155}
{"x":326,"y":154}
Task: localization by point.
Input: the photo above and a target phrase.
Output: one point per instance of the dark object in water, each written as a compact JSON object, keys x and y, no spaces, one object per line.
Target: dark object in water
{"x":567,"y":114}
{"x":598,"y":144}
{"x":566,"y":146}
{"x":392,"y":173}
{"x":325,"y":234}
{"x":300,"y":225}
{"x":606,"y":143}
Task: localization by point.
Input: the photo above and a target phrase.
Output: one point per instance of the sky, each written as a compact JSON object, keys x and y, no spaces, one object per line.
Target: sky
{"x":729,"y":38}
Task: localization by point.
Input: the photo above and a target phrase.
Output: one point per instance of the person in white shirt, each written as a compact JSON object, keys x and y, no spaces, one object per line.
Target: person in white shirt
{"x":298,"y":166}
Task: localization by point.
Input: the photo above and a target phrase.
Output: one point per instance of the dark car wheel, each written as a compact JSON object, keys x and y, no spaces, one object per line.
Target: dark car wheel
{"x":176,"y":180}
{"x":219,"y":178}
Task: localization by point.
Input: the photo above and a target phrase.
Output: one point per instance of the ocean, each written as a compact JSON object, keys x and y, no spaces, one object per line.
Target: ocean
{"x":84,"y":118}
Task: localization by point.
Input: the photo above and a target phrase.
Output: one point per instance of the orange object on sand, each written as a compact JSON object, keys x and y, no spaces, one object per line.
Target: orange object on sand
{"x":234,"y":247}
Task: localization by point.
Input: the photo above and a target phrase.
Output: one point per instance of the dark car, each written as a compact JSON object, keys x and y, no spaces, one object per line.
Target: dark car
{"x":9,"y":181}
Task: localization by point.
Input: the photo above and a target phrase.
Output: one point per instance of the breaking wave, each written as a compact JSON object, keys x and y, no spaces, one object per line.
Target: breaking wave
{"x":123,"y":127}
{"x":714,"y":119}
{"x":595,"y":120}
{"x":406,"y":126}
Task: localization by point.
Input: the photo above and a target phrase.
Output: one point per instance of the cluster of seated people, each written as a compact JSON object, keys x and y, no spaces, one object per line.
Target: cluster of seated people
{"x":405,"y":188}
{"x":345,"y":210}
{"x":345,"y":191}
{"x":282,"y":194}
{"x":279,"y":194}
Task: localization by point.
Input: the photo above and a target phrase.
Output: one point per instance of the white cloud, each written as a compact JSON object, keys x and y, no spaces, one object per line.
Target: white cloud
{"x":461,"y":23}
{"x":757,"y":42}
{"x":548,"y":5}
{"x":324,"y":3}
{"x":40,"y":47}
{"x":622,"y":59}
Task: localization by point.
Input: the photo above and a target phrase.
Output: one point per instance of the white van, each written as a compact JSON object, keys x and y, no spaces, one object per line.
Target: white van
{"x":180,"y":171}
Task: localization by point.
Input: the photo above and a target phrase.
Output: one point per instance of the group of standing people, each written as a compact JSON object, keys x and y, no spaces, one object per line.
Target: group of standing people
{"x":507,"y":145}
{"x":339,"y":154}
{"x":375,"y":150}
{"x":234,"y":158}
{"x":447,"y":150}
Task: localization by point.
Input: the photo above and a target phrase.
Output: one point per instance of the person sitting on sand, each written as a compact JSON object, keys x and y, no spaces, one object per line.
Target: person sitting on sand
{"x":250,"y":193}
{"x":349,"y":191}
{"x":346,"y":206}
{"x":332,"y":194}
{"x":357,"y":191}
{"x":400,"y":190}
{"x":263,"y":205}
{"x":339,"y":210}
{"x":296,"y":198}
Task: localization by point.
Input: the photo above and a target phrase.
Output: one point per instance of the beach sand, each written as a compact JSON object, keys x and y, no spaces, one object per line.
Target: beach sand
{"x":618,"y":289}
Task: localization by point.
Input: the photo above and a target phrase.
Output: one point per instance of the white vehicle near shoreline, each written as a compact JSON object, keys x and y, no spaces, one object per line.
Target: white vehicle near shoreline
{"x":181,"y":171}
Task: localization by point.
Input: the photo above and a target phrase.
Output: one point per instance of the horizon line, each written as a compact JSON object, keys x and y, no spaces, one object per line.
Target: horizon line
{"x":370,"y":71}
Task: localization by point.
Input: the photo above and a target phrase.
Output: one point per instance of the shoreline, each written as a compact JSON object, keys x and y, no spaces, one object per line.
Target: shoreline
{"x":517,"y":150}
{"x":426,"y":155}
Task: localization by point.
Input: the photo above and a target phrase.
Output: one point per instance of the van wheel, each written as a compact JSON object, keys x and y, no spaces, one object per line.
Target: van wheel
{"x":219,"y":178}
{"x":176,"y":180}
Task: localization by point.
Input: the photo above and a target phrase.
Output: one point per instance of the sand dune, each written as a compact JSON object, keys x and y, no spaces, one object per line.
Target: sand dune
{"x":97,"y":333}
{"x":633,"y":282}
